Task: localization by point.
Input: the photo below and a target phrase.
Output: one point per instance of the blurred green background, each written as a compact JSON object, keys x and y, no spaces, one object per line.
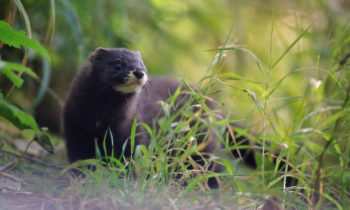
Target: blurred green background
{"x":174,"y":38}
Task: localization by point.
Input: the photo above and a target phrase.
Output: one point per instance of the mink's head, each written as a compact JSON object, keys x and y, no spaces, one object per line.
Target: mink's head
{"x":118,"y":68}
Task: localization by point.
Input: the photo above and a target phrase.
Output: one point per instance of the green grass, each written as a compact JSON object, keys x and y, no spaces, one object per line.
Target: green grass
{"x":315,"y":145}
{"x":291,"y":92}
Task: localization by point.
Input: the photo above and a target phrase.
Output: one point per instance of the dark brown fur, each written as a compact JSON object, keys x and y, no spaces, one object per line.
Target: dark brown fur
{"x":92,"y":107}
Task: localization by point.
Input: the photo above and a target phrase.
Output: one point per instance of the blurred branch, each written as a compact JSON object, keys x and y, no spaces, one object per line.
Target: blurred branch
{"x":11,"y":177}
{"x":342,"y":62}
{"x":51,"y":93}
{"x":19,"y":4}
{"x":10,"y":18}
{"x":335,"y":131}
{"x":52,"y":23}
{"x":7,"y":166}
{"x":27,"y":157}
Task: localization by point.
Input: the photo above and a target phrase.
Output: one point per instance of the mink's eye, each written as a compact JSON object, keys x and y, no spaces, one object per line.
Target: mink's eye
{"x":117,"y":64}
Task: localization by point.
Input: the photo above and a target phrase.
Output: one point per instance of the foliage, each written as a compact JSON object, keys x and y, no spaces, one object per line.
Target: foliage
{"x":10,"y":111}
{"x":17,"y":116}
{"x":18,"y":38}
{"x":8,"y":68}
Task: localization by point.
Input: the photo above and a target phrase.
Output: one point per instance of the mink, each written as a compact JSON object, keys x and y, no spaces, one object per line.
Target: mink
{"x":109,"y":91}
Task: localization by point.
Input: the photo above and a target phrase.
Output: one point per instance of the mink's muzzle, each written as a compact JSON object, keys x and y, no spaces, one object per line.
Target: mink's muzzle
{"x":138,"y":74}
{"x":133,"y":82}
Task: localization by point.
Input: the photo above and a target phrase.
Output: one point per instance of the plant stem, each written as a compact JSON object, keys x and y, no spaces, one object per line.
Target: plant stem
{"x":329,"y":142}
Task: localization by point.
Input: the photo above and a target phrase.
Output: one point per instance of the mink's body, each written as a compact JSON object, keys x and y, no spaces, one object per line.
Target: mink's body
{"x":111,"y":87}
{"x":98,"y":100}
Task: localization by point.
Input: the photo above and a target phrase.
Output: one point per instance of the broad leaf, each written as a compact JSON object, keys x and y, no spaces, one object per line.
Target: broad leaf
{"x":28,"y":134}
{"x":8,"y":68}
{"x":17,"y":67}
{"x":15,"y":79}
{"x":15,"y":39}
{"x":17,"y":116}
{"x":44,"y":141}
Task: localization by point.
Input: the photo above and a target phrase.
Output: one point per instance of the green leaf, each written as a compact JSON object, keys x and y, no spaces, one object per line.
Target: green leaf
{"x":8,"y":68}
{"x":230,"y":76}
{"x":15,"y":79}
{"x":278,"y":84}
{"x":133,"y":134}
{"x":17,"y":67}
{"x":237,"y":47}
{"x":17,"y":39}
{"x":17,"y":116}
{"x":28,"y":134}
{"x":44,"y":141}
{"x":256,"y":101}
{"x":97,"y":151}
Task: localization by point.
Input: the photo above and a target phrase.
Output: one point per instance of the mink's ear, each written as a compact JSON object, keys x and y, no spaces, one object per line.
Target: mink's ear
{"x":100,"y":51}
{"x":88,"y":64}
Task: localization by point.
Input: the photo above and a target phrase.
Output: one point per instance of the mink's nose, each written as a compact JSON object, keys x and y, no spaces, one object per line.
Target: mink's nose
{"x":138,"y":74}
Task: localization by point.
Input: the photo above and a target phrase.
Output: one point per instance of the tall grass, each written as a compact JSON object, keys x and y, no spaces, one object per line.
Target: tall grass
{"x":314,"y":147}
{"x":313,"y":142}
{"x":164,"y":174}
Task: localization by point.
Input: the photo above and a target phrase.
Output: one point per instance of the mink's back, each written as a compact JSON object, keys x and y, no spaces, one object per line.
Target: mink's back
{"x":157,"y":89}
{"x":160,"y":89}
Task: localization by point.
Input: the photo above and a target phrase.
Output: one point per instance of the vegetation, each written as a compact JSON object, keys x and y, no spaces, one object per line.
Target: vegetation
{"x":279,"y":69}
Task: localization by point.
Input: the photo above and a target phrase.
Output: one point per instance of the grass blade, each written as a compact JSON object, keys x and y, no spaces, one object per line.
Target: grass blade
{"x":290,"y":47}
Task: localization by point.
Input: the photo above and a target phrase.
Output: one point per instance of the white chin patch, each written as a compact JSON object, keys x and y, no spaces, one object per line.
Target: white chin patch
{"x":132,"y":85}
